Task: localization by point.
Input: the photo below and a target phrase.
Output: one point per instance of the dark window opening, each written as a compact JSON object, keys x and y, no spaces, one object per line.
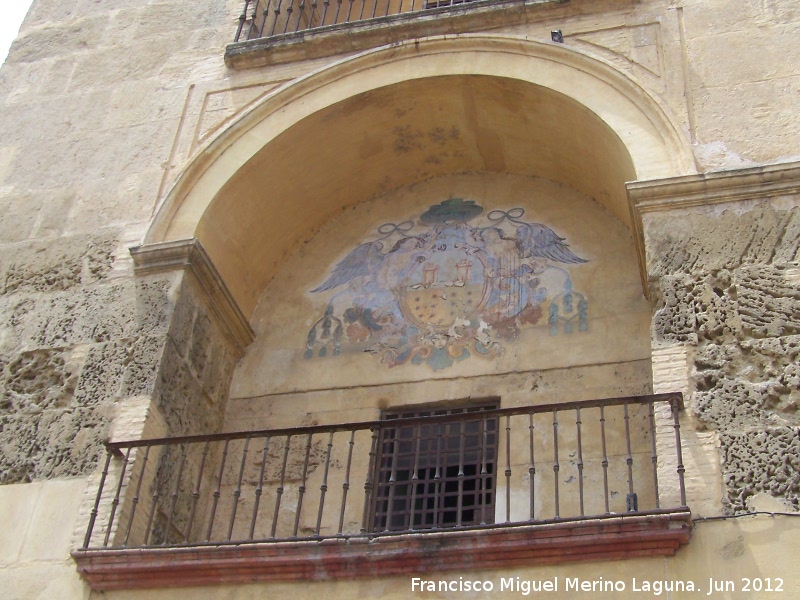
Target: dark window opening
{"x":436,"y":475}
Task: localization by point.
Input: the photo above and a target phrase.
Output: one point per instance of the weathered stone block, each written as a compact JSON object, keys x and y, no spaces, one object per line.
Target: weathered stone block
{"x":708,"y":241}
{"x":768,"y":305}
{"x":676,"y":320}
{"x":19,"y":215}
{"x":180,"y":330}
{"x":44,"y":266}
{"x":142,"y":366}
{"x":765,"y":461}
{"x":160,"y":18}
{"x":185,"y":407}
{"x":38,"y":380}
{"x":98,"y":314}
{"x":58,"y":443}
{"x":200,"y":346}
{"x":58,"y":39}
{"x":731,"y":404}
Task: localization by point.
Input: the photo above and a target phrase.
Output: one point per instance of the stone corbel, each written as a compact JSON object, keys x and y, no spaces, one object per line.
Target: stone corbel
{"x":705,"y":189}
{"x":190,"y":256}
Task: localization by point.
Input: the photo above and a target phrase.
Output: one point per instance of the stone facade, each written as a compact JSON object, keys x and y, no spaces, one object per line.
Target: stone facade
{"x":170,"y":211}
{"x":723,"y":285}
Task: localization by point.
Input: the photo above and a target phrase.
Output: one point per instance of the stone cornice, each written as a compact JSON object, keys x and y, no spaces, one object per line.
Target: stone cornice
{"x":705,"y":189}
{"x":189,"y":255}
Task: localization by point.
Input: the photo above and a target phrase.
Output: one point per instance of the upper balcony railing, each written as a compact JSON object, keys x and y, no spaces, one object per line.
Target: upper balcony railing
{"x":612,"y":467}
{"x":267,"y":18}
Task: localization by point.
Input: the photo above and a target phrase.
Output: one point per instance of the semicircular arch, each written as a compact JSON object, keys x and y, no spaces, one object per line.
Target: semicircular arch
{"x":512,"y":105}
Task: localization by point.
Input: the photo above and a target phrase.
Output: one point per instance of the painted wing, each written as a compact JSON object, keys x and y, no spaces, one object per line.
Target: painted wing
{"x":539,"y":241}
{"x":363,"y":261}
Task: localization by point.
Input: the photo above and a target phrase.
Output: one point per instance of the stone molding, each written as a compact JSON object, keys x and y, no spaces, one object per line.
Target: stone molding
{"x":705,"y":189}
{"x":189,"y":255}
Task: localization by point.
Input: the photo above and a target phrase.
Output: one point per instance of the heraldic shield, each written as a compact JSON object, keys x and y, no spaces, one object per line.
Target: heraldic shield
{"x":443,"y":288}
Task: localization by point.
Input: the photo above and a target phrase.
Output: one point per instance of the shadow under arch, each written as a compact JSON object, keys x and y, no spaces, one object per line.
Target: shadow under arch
{"x":404,"y":113}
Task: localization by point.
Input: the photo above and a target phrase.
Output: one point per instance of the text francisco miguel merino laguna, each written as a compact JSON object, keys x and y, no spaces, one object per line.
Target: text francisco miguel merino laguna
{"x":525,"y":587}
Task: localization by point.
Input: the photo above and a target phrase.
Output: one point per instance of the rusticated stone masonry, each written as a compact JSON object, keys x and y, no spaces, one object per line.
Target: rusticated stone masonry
{"x":79,"y":342}
{"x":726,"y":288}
{"x":76,"y":343}
{"x":196,"y":369}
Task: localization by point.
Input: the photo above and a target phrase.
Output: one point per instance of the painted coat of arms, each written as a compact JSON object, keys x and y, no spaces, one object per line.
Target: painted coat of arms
{"x":447,"y":287}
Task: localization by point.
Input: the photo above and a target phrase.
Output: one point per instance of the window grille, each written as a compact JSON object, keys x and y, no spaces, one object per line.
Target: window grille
{"x":436,"y":475}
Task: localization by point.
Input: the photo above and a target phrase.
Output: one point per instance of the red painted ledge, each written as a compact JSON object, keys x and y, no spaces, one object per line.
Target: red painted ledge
{"x":607,"y":538}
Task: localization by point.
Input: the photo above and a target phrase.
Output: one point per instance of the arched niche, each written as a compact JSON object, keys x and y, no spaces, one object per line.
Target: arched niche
{"x":398,"y":115}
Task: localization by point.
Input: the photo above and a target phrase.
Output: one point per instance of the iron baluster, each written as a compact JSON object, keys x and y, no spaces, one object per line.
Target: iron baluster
{"x":346,"y":484}
{"x":154,"y":501}
{"x":508,"y":468}
{"x":368,"y":484}
{"x":237,"y":492}
{"x":276,"y":16}
{"x":556,"y":466}
{"x":324,"y":487}
{"x":279,"y":491}
{"x":259,"y":487}
{"x":174,"y":497}
{"x":654,"y":453}
{"x":632,"y":504}
{"x":96,"y":508}
{"x":264,"y":17}
{"x":289,"y":12}
{"x":414,"y":477}
{"x":484,"y":470}
{"x":679,"y":453}
{"x":605,"y":457}
{"x":253,"y":16}
{"x":135,"y":501}
{"x":437,"y":477}
{"x":196,"y":492}
{"x":242,"y":20}
{"x":531,"y":466}
{"x":460,"y":475}
{"x":115,"y":501}
{"x":392,"y":483}
{"x":301,"y":10}
{"x":217,"y":492}
{"x":580,"y":460}
{"x":326,"y":3}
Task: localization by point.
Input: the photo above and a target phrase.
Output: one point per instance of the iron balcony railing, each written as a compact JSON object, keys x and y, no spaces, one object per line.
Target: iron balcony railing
{"x":470,"y":469}
{"x":267,"y":18}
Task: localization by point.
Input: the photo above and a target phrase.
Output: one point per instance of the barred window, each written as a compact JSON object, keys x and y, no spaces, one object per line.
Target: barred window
{"x":436,"y":475}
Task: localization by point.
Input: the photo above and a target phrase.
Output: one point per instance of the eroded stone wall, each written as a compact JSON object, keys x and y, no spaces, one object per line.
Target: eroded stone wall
{"x":190,"y":393}
{"x":91,"y":101}
{"x":77,"y":340}
{"x":80,"y":340}
{"x":197,"y":367}
{"x":727,"y":288}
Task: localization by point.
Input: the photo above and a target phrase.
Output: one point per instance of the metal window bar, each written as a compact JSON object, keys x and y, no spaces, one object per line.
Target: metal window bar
{"x":431,"y":476}
{"x":268,"y":18}
{"x":387,"y":477}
